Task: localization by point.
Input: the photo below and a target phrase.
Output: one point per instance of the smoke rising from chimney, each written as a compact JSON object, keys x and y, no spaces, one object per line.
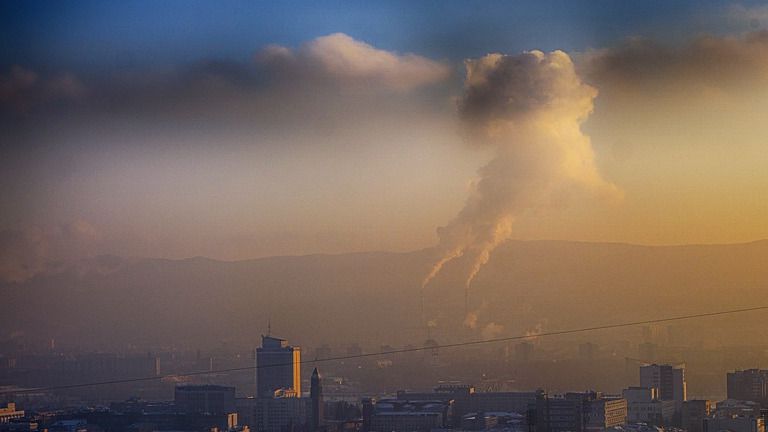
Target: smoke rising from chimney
{"x":529,"y":109}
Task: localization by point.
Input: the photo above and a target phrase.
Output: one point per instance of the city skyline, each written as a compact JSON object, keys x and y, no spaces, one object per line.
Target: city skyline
{"x":383,"y":216}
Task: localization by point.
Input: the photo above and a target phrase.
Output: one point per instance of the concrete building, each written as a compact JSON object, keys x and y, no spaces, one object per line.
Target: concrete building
{"x":579,"y":412}
{"x":644,"y":406}
{"x":507,"y":421}
{"x":748,"y":385}
{"x":694,"y":413}
{"x":733,"y":424}
{"x":558,"y":414}
{"x":518,"y":402}
{"x":204,"y":399}
{"x":466,"y":400}
{"x":284,"y":412}
{"x":407,"y":421}
{"x":246,"y":411}
{"x":737,"y":408}
{"x":278,"y":367}
{"x":605,"y":412}
{"x":399,"y":415}
{"x":668,"y":379}
{"x":283,"y":409}
{"x":9,"y":412}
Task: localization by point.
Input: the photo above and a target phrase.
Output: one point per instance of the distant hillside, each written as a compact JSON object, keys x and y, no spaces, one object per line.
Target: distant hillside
{"x":375,"y":297}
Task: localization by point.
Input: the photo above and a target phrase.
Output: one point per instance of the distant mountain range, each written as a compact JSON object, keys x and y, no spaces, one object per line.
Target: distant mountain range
{"x":375,"y":298}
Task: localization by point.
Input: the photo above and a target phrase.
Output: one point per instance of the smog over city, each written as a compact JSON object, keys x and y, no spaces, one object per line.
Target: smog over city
{"x":384,"y":216}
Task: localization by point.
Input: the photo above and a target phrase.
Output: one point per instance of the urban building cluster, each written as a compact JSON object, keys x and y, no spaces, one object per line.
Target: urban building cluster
{"x":657,"y":402}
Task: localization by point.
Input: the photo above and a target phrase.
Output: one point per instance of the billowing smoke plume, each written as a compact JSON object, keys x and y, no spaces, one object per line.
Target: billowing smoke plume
{"x":529,"y":108}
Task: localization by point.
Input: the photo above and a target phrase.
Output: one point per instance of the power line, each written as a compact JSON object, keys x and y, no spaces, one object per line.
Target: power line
{"x":398,"y":351}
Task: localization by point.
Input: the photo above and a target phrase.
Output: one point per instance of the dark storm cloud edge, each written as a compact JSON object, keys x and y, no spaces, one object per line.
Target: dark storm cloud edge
{"x":279,"y":80}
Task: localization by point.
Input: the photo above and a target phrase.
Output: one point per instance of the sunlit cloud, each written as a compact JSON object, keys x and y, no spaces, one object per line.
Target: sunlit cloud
{"x":341,"y":58}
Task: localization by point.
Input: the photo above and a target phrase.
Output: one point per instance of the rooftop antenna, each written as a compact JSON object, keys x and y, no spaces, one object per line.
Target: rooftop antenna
{"x":269,"y":326}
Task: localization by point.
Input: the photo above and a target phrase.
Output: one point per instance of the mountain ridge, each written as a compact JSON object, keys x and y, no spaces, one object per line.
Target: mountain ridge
{"x":358,"y":296}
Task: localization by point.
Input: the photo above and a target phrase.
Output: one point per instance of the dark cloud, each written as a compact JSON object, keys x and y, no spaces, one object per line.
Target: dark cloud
{"x":642,"y":65}
{"x":328,"y":74}
{"x":23,"y":90}
{"x":512,"y":88}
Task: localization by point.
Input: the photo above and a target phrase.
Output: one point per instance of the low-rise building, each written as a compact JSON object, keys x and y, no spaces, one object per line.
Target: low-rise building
{"x":605,"y":412}
{"x":400,"y":415}
{"x":736,"y":408}
{"x":694,"y":413}
{"x":508,"y":421}
{"x":644,"y":406}
{"x":204,"y":399}
{"x":734,"y":424}
{"x":280,"y":413}
{"x":579,"y":412}
{"x":9,"y":412}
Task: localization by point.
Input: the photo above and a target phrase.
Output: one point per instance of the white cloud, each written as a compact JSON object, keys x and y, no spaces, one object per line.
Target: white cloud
{"x":350,"y":61}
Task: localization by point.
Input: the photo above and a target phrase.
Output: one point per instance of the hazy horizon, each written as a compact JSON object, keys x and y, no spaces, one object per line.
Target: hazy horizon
{"x":583,"y":183}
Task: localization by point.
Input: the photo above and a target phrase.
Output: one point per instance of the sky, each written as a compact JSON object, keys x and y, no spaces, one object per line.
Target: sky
{"x":236,"y":130}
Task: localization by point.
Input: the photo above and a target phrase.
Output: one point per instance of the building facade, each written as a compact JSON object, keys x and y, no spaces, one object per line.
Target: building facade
{"x":204,"y":399}
{"x":694,"y":413}
{"x":644,"y":406}
{"x":282,"y":413}
{"x":9,"y":412}
{"x":668,"y":379}
{"x":579,"y":412}
{"x":278,"y":367}
{"x":734,"y":424}
{"x":748,"y":385}
{"x":605,"y":412}
{"x":401,"y":415}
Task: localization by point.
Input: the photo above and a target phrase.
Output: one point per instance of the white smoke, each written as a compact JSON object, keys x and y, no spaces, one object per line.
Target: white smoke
{"x":343,"y":59}
{"x":529,"y":108}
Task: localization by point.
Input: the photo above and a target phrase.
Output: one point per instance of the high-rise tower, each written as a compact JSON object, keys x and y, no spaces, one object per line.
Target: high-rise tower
{"x":278,"y":367}
{"x":316,"y":394}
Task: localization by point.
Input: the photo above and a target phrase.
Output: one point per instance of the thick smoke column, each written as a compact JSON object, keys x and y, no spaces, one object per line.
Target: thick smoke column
{"x":529,"y":107}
